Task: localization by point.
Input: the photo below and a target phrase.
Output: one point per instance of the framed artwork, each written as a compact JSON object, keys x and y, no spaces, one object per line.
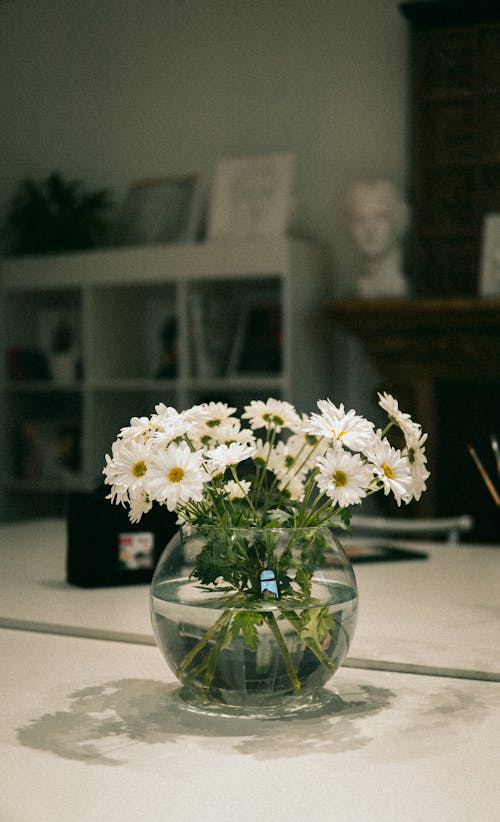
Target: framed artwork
{"x":252,"y":196}
{"x":161,"y":210}
{"x":489,"y":280}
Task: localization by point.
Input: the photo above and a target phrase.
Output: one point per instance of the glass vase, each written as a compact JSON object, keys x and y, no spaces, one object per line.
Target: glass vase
{"x":266,"y":646}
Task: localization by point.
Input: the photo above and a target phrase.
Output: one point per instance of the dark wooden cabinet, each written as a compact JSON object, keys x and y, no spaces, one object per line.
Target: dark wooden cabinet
{"x":440,"y":356}
{"x":454,"y":111}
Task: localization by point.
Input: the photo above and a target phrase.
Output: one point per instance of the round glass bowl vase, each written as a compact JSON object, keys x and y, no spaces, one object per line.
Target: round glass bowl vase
{"x":262,"y":643}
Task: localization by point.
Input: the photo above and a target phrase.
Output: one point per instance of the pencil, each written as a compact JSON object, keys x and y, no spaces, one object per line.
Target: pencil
{"x":487,"y":481}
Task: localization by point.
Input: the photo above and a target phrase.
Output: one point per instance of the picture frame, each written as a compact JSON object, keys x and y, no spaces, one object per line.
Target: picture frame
{"x":161,"y":210}
{"x":489,"y":278}
{"x":257,"y":346}
{"x":252,"y":196}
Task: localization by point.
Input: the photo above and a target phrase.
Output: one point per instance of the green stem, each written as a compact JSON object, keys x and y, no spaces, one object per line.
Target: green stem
{"x":285,"y":653}
{"x":224,"y":619}
{"x":213,"y":656}
{"x":388,"y":426}
{"x":245,"y":495}
{"x":262,"y":472}
{"x":313,"y":646}
{"x":304,"y":510}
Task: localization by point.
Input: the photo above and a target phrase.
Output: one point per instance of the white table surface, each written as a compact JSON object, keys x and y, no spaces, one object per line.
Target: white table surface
{"x":440,"y":615}
{"x":92,"y":731}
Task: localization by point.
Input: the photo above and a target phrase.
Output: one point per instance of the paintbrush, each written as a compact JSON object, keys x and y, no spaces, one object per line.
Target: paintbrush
{"x":487,"y":481}
{"x":496,"y":450}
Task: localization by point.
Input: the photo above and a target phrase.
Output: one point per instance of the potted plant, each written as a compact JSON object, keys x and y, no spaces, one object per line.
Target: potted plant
{"x":56,"y":215}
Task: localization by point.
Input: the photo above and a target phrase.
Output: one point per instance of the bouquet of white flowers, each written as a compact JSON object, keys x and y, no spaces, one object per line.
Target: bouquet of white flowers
{"x":258,"y":496}
{"x":209,"y":468}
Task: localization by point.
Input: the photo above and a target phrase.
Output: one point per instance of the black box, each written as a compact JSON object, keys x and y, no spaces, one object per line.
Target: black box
{"x":104,"y":548}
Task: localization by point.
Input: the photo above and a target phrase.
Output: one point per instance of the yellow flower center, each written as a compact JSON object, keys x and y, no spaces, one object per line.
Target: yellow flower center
{"x":139,"y":469}
{"x":387,"y":470}
{"x":176,"y":474}
{"x":339,"y":435}
{"x":277,"y":419}
{"x":339,"y":478}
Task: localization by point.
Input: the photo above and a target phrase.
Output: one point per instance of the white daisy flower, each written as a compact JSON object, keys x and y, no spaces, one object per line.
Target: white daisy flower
{"x":343,"y":429}
{"x":263,"y":450}
{"x":139,"y":504}
{"x":303,"y":434}
{"x":343,"y":477}
{"x":390,"y":405}
{"x":218,"y":413}
{"x":128,"y":465}
{"x":118,"y":495}
{"x":167,"y":411}
{"x":415,"y":453}
{"x":285,"y":461}
{"x":237,"y":490}
{"x":392,"y":470}
{"x":292,"y":487}
{"x":404,"y":421}
{"x":175,"y":475}
{"x":306,"y":446}
{"x":223,"y":456}
{"x":139,"y":428}
{"x":225,"y":431}
{"x":277,"y":414}
{"x":243,"y":435}
{"x":170,"y":424}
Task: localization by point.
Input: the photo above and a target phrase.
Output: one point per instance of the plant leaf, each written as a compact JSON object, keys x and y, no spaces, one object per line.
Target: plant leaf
{"x":246,"y":624}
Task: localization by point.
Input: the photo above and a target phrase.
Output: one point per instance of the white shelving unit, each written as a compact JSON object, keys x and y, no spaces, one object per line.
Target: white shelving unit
{"x":116,"y":302}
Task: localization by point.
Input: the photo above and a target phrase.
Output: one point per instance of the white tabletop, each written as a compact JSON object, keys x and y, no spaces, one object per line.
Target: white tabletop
{"x":34,"y":591}
{"x":92,"y":730}
{"x":441,"y":614}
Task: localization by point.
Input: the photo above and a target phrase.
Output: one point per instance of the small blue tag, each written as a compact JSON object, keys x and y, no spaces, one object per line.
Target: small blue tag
{"x":268,"y":585}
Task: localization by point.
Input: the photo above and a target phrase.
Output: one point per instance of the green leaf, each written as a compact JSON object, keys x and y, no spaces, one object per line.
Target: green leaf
{"x":316,"y":625}
{"x":303,"y":580}
{"x":246,"y":624}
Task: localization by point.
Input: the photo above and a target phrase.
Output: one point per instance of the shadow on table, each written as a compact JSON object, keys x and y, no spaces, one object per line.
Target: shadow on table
{"x":102,"y":722}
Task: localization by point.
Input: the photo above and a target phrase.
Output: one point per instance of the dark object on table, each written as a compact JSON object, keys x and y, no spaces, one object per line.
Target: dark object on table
{"x":104,"y":548}
{"x":380,"y":553}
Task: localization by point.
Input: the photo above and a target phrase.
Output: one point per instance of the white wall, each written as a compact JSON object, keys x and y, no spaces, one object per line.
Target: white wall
{"x":110,"y":91}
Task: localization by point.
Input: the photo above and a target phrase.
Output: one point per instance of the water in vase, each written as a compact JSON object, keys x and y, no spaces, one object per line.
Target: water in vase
{"x":274,"y":649}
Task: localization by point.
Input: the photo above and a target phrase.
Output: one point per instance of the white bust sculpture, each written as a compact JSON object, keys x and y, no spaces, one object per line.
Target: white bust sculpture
{"x":378,"y":218}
